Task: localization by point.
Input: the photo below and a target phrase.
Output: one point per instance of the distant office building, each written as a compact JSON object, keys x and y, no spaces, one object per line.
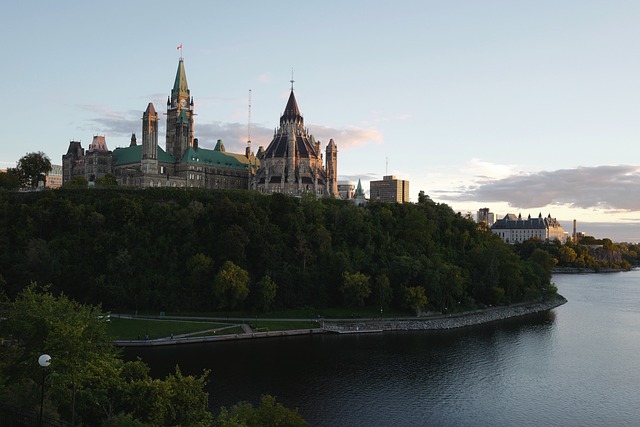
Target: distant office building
{"x":486,"y":217}
{"x":54,"y":178}
{"x":514,"y":229}
{"x":389,"y":189}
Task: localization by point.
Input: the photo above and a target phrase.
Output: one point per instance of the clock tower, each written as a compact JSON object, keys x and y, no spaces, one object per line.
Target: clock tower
{"x":179,"y":115}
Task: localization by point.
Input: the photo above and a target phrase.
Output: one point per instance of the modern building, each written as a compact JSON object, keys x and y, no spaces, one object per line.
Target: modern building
{"x":54,"y":177}
{"x":514,"y":229}
{"x":292,"y":162}
{"x":389,"y":189}
{"x":486,"y":217}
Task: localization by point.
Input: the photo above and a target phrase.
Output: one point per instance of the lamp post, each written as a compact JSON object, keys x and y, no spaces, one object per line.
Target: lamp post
{"x":44,"y":361}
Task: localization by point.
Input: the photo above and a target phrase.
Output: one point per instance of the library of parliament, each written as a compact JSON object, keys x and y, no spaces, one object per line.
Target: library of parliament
{"x":292,"y":163}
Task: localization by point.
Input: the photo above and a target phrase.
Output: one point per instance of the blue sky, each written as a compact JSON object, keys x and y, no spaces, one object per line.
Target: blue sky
{"x":521,"y":106}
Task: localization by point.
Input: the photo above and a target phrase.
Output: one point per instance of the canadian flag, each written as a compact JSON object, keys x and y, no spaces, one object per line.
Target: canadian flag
{"x":180,"y":47}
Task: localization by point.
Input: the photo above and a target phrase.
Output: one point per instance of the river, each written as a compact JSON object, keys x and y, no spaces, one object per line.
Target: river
{"x":577,"y":365}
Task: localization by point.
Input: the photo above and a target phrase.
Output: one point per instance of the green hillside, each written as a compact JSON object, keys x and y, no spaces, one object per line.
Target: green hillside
{"x":200,"y":251}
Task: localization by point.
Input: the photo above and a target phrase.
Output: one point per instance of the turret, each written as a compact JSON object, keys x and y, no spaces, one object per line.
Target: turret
{"x":150,"y":140}
{"x":332,"y":168}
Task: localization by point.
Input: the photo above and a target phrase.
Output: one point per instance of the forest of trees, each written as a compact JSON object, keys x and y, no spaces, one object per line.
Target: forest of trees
{"x":200,"y":251}
{"x":589,"y":254}
{"x":87,"y":383}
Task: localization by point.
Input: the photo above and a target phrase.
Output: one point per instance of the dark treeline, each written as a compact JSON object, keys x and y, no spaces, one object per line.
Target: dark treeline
{"x":176,"y":250}
{"x":589,"y":253}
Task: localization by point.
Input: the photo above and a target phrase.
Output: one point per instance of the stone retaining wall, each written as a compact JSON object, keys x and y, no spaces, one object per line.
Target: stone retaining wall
{"x":446,"y":322}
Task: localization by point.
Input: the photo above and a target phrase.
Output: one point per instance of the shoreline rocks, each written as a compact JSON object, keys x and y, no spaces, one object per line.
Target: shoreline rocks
{"x":445,"y":322}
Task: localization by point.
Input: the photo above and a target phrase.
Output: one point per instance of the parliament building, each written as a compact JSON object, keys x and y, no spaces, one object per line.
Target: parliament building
{"x":292,"y":163}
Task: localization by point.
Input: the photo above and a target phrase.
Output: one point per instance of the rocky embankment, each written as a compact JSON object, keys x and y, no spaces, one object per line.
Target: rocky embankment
{"x":446,"y":322}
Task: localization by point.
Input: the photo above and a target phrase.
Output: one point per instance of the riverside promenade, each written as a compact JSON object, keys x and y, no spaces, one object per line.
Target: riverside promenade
{"x":441,"y":322}
{"x":361,"y":326}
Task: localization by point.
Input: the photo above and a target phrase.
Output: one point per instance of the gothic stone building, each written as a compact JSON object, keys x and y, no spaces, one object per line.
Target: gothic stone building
{"x":292,"y":163}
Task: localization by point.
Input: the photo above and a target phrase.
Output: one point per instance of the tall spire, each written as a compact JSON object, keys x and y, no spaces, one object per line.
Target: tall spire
{"x":359,"y":191}
{"x":292,"y":81}
{"x":291,"y":111}
{"x":180,"y":86}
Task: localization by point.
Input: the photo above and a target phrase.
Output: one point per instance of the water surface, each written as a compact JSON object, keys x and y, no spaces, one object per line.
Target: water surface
{"x":577,"y":365}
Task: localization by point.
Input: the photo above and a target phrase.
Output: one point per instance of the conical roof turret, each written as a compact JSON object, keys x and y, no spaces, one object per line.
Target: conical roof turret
{"x":180,"y":86}
{"x":359,"y":191}
{"x":151,"y":110}
{"x":291,"y":111}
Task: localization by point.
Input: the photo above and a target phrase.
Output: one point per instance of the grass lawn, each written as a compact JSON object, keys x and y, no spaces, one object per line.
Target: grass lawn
{"x":264,"y":325}
{"x":299,"y":313}
{"x":131,"y":329}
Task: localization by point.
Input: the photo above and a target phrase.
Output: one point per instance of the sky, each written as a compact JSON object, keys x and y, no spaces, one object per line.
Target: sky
{"x":519,"y":106}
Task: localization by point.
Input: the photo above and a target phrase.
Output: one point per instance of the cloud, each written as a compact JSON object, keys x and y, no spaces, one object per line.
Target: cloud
{"x":112,"y":123}
{"x":612,"y":188}
{"x":346,"y":138}
{"x":264,"y":78}
{"x":234,"y":135}
{"x":366,"y":177}
{"x":486,"y":170}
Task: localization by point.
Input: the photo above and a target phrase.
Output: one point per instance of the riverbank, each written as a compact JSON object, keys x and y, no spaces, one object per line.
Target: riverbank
{"x":577,"y":270}
{"x":454,"y":321}
{"x":348,"y":326}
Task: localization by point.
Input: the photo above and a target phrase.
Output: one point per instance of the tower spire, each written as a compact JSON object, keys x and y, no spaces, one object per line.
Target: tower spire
{"x":180,"y":86}
{"x":292,"y":79}
{"x":249,"y":123}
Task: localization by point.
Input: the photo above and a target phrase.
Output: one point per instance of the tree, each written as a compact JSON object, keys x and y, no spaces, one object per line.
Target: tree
{"x":109,"y":180}
{"x":87,"y":381}
{"x":383,"y":291}
{"x":567,"y":255}
{"x":77,"y":182}
{"x":416,"y":298}
{"x":10,"y":180}
{"x":543,"y":259}
{"x":198,"y":288}
{"x":423,"y":198}
{"x":265,"y":293}
{"x":33,"y":167}
{"x":231,"y":286}
{"x":355,"y":288}
{"x":269,"y":413}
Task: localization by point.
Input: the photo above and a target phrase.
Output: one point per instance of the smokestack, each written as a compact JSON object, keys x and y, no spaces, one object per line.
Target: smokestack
{"x":575,"y":232}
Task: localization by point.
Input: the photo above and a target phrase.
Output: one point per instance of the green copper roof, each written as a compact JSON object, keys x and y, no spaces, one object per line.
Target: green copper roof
{"x":359,"y":190}
{"x":218,"y":158}
{"x":180,"y":87}
{"x":220,"y":146}
{"x":133,"y":154}
{"x":215,"y":158}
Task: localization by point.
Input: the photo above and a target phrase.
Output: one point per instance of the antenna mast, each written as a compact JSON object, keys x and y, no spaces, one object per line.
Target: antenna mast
{"x":249,"y":123}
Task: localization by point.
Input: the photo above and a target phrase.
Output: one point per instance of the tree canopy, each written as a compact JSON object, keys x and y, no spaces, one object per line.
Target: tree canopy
{"x":171,"y":249}
{"x":33,"y":167}
{"x":87,"y":382}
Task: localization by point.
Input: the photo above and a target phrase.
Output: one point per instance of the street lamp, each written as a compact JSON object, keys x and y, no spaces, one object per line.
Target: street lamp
{"x":44,"y":361}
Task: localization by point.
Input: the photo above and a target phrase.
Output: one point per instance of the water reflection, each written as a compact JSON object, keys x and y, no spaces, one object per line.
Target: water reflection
{"x":398,"y":378}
